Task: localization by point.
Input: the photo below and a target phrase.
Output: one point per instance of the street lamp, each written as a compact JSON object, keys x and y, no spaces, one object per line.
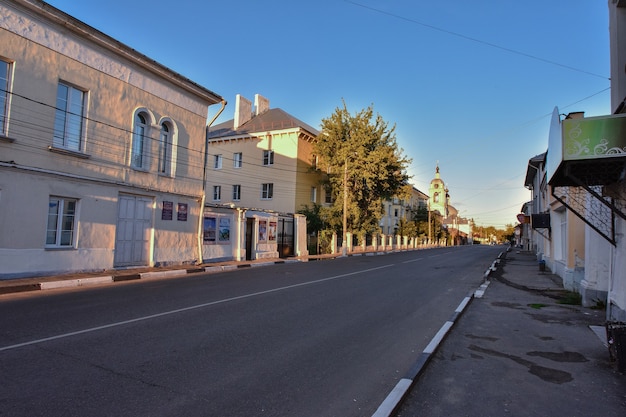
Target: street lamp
{"x":344,"y":243}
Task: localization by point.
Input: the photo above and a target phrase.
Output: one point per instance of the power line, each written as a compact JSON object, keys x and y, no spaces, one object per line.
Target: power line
{"x":476,"y":40}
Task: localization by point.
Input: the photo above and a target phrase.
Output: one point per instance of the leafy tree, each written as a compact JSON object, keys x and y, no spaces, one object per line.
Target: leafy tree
{"x":314,"y":218}
{"x":360,"y":152}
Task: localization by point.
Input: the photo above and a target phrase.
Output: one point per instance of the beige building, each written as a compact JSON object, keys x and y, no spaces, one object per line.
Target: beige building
{"x":398,"y":209}
{"x":101,"y":149}
{"x":260,"y":164}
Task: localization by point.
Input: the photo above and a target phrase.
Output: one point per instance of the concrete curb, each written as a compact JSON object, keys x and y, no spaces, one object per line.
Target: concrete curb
{"x":399,"y":392}
{"x":107,"y":279}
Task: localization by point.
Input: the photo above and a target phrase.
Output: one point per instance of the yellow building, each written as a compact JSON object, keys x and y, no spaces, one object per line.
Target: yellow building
{"x":260,"y":163}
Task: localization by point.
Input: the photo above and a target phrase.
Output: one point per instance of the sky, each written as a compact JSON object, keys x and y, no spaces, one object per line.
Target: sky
{"x":469,"y":86}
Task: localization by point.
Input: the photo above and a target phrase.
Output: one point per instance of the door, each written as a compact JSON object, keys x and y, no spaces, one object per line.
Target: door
{"x":249,"y":238}
{"x":133,"y":233}
{"x":285,"y":237}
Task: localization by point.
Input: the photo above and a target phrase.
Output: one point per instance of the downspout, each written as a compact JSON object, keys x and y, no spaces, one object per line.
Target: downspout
{"x":203,"y":197}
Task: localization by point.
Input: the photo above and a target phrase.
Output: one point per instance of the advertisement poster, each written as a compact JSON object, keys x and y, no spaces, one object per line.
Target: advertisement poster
{"x":262,"y":230}
{"x":224,"y":235}
{"x":168,"y":210}
{"x":272,"y":231}
{"x":182,"y":212}
{"x":209,"y":230}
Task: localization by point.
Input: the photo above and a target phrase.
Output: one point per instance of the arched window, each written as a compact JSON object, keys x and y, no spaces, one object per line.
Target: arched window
{"x":168,"y":147}
{"x":436,"y":197}
{"x":165,"y":149}
{"x":139,"y":145}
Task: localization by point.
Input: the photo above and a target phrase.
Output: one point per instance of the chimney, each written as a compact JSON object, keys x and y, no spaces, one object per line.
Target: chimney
{"x":261,"y":104}
{"x":243,"y":111}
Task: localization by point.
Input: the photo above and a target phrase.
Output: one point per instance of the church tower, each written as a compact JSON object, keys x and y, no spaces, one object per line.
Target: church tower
{"x":438,"y":195}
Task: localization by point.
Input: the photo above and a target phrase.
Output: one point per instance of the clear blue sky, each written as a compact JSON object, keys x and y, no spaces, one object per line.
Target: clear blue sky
{"x":468,"y":84}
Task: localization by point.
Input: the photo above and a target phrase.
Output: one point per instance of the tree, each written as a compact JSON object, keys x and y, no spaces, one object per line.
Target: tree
{"x":360,"y":152}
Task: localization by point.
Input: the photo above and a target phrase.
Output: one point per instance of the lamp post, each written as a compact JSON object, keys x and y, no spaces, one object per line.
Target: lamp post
{"x":428,"y":208}
{"x":344,"y":243}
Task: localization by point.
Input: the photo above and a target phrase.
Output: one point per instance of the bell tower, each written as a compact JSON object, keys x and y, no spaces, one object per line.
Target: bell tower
{"x":438,"y":194}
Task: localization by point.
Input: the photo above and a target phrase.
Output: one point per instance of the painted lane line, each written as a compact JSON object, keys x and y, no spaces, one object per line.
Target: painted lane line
{"x":184,"y":309}
{"x":412,"y":260}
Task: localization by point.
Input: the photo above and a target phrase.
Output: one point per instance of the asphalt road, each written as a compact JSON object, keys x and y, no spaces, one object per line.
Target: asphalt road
{"x":327,"y":338}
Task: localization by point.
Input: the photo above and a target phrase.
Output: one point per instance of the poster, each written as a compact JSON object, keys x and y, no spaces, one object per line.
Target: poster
{"x":209,"y":230}
{"x":272,"y":231}
{"x":262,"y":230}
{"x":182,"y":212}
{"x":168,"y":210}
{"x":224,"y":230}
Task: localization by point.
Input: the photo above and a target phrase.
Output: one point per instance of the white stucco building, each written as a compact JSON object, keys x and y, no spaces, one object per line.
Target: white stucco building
{"x":101,"y":149}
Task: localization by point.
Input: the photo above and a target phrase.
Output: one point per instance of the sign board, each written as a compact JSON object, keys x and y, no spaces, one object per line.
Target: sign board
{"x":594,"y":138}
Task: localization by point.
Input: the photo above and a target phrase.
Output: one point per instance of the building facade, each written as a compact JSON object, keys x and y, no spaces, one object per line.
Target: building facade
{"x":261,"y":166}
{"x":101,"y":149}
{"x":585,"y":175}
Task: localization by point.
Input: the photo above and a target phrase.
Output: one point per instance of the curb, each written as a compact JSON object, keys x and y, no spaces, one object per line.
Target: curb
{"x":107,"y":279}
{"x":399,"y":392}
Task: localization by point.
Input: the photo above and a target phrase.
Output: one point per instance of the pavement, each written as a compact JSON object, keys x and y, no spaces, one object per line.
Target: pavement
{"x":517,"y":350}
{"x":511,"y":348}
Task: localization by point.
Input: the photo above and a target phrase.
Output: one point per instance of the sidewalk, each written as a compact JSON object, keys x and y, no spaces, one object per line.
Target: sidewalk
{"x":517,"y":351}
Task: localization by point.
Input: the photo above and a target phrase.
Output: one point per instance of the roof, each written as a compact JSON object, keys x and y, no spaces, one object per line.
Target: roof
{"x":272,"y":119}
{"x":88,"y":33}
{"x":533,"y":167}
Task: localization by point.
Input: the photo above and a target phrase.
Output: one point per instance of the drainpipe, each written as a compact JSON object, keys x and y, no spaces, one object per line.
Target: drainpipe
{"x":203,"y":197}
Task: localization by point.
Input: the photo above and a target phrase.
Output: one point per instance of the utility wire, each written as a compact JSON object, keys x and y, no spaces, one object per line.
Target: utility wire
{"x":469,"y":38}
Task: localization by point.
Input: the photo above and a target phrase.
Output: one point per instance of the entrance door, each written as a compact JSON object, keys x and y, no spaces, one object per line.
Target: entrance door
{"x":134,"y":224}
{"x":249,"y":238}
{"x":285,"y":237}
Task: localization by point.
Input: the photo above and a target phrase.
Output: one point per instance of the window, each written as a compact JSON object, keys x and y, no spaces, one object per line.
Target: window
{"x":165,"y":150}
{"x":217,"y":162}
{"x":5,"y":85}
{"x":237,"y":192}
{"x":68,"y":121}
{"x":328,"y":197}
{"x":314,"y":194}
{"x":267,"y":191}
{"x":61,"y":222}
{"x":268,"y":157}
{"x":217,"y":192}
{"x":139,"y":146}
{"x":237,"y":159}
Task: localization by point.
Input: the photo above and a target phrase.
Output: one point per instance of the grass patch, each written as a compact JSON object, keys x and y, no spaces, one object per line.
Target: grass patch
{"x":571,"y":298}
{"x":537,"y":305}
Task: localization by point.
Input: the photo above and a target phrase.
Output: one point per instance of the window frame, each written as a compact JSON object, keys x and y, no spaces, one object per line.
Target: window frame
{"x":140,"y":151}
{"x":268,"y":157}
{"x":217,"y":161}
{"x":236,"y":192}
{"x":61,"y":218}
{"x":5,"y":96}
{"x":217,"y":193}
{"x":165,"y":149}
{"x":237,"y":159}
{"x":267,"y":191}
{"x":63,"y":135}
